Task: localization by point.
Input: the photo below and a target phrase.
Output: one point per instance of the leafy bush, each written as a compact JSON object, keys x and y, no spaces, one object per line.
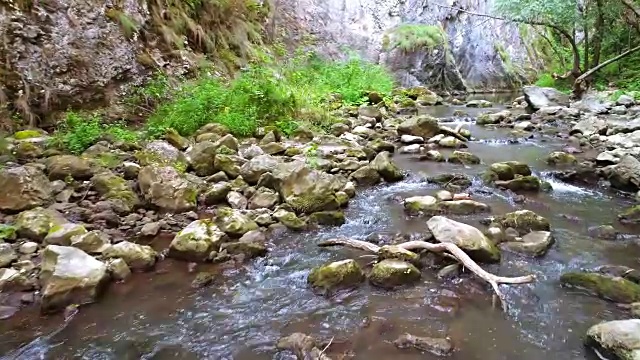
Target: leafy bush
{"x":546,"y":80}
{"x":297,"y":92}
{"x":411,"y":37}
{"x":78,"y":132}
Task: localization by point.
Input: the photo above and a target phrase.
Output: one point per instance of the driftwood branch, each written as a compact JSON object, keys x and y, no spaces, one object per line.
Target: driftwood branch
{"x":447,"y":248}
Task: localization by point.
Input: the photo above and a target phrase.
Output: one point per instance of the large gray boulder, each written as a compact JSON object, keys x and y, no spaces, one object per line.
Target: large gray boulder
{"x":307,"y":190}
{"x":617,"y":340}
{"x":423,"y":126}
{"x":254,"y":168}
{"x":115,"y":189}
{"x":196,"y":241}
{"x":70,"y":276}
{"x":539,"y":97}
{"x":137,"y":257}
{"x":23,"y":188}
{"x":36,"y":223}
{"x":468,"y":238}
{"x":60,"y":167}
{"x":336,"y":275}
{"x":167,"y":189}
{"x":626,"y":174}
{"x":386,"y":167}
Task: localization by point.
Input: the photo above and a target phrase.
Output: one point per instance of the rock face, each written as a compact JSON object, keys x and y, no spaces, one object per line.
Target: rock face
{"x":167,"y":189}
{"x":478,"y":53}
{"x":336,"y":275}
{"x":539,"y":97}
{"x":468,"y":238}
{"x":23,"y":188}
{"x":70,"y":276}
{"x":617,"y":340}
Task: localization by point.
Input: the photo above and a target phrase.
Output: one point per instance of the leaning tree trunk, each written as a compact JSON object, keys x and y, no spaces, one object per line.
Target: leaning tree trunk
{"x":578,"y":85}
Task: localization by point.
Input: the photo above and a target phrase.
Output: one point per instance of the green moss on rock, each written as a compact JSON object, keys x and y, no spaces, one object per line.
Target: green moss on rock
{"x":611,"y":288}
{"x":336,"y":275}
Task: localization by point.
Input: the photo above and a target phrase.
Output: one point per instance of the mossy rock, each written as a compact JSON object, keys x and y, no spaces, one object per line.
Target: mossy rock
{"x":61,"y":234}
{"x":521,"y":184}
{"x":464,"y":157}
{"x":630,"y":215}
{"x":499,"y":171}
{"x":334,"y":218}
{"x":561,"y":158}
{"x":616,"y":289}
{"x":452,"y":182}
{"x":175,"y":139}
{"x":27,"y":151}
{"x":29,"y":134}
{"x":391,"y":273}
{"x":115,"y":188}
{"x":398,"y":253}
{"x":336,"y":275}
{"x":524,"y":221}
{"x":290,"y":220}
{"x":36,"y":223}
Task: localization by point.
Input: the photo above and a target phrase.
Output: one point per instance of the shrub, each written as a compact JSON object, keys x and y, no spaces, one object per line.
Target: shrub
{"x":411,"y":37}
{"x":546,"y":80}
{"x":78,"y":131}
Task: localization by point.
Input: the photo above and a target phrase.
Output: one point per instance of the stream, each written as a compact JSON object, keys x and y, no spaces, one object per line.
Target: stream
{"x":241,"y":316}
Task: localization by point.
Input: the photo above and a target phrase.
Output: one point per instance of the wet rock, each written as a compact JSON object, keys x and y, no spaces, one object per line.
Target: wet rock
{"x":70,"y":276}
{"x":423,"y":126}
{"x":248,"y":249}
{"x":60,"y":167}
{"x":398,"y":253}
{"x":217,"y":193}
{"x":13,"y":280}
{"x":118,"y":269}
{"x":137,"y":257}
{"x":436,"y":346}
{"x":196,"y":241}
{"x":336,"y":275}
{"x":466,"y":237}
{"x":523,"y":221}
{"x":365,"y":176}
{"x":379,"y":145}
{"x":392,"y":273}
{"x":463,"y":157}
{"x":539,"y":97}
{"x":604,"y":232}
{"x":630,"y":215}
{"x":116,"y":189}
{"x":203,"y":279}
{"x":449,"y":271}
{"x":307,"y":190}
{"x":524,"y":126}
{"x":201,"y":158}
{"x":421,"y":204}
{"x":617,"y":340}
{"x":615,"y":289}
{"x":463,"y":207}
{"x":626,"y":174}
{"x":624,"y":272}
{"x":256,"y":167}
{"x":167,"y":189}
{"x":23,"y":188}
{"x":561,"y":158}
{"x":289,"y":219}
{"x":433,"y":155}
{"x":386,"y":167}
{"x":411,"y":149}
{"x":92,"y":242}
{"x":7,"y":255}
{"x":535,"y":243}
{"x":331,"y":218}
{"x":453,"y":182}
{"x":521,"y":184}
{"x":411,"y":139}
{"x":35,"y":224}
{"x":451,"y":142}
{"x":62,"y":234}
{"x":233,"y":222}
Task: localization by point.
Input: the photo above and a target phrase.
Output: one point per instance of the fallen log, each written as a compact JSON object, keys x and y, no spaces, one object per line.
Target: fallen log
{"x":446,"y":248}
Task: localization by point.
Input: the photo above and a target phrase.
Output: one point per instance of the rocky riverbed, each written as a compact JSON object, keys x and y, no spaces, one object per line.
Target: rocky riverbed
{"x":206,"y":247}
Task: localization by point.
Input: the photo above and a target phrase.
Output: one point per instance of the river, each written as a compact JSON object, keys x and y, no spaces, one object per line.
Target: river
{"x":241,"y":316}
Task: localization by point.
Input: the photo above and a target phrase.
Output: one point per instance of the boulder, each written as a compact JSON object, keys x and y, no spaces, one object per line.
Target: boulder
{"x":229,"y":164}
{"x":60,"y":167}
{"x":264,"y":198}
{"x":196,"y":241}
{"x":521,"y":184}
{"x":7,"y":255}
{"x":616,"y":289}
{"x":451,"y":142}
{"x":590,"y":126}
{"x":70,"y":276}
{"x":330,"y":218}
{"x":161,"y":153}
{"x":561,"y":158}
{"x":386,"y":167}
{"x":466,"y":237}
{"x":365,"y":176}
{"x":137,"y":257}
{"x":626,"y":174}
{"x":463,"y":207}
{"x":176,"y":140}
{"x":391,"y":273}
{"x":253,"y":169}
{"x":23,"y":188}
{"x":167,"y":189}
{"x":616,"y":340}
{"x":233,"y":222}
{"x":592,"y":103}
{"x":35,"y":224}
{"x":62,"y":234}
{"x":217,"y":193}
{"x":535,"y":243}
{"x":398,"y":253}
{"x":411,"y":149}
{"x":289,"y":219}
{"x":630,"y":215}
{"x":463,"y":157}
{"x":248,"y":249}
{"x":539,"y":97}
{"x":307,"y":190}
{"x":336,"y":275}
{"x":118,"y":269}
{"x":604,"y":232}
{"x":237,"y":200}
{"x":423,"y":126}
{"x":432,"y":155}
{"x":524,"y":221}
{"x":116,"y":189}
{"x":421,"y":204}
{"x":92,"y":242}
{"x":453,"y":182}
{"x":201,"y":158}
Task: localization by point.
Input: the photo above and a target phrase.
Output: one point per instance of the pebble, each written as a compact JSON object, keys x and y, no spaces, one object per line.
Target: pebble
{"x":29,"y":247}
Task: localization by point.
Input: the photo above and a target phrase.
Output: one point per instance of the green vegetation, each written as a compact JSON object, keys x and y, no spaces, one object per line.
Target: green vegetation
{"x":411,"y":37}
{"x":303,"y":90}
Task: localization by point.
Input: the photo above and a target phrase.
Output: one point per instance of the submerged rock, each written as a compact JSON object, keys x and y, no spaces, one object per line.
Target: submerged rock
{"x":196,"y":241}
{"x":332,"y":218}
{"x":615,"y":289}
{"x":535,"y":243}
{"x":630,"y":215}
{"x":466,"y":237}
{"x":23,"y":188}
{"x":391,"y":273}
{"x":436,"y":346}
{"x":336,"y":275}
{"x":70,"y":276}
{"x":617,"y":340}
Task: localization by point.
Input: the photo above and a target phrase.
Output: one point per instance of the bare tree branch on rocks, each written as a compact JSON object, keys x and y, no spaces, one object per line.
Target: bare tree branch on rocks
{"x":447,"y":248}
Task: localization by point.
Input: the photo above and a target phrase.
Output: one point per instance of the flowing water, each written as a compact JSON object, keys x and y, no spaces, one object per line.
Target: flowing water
{"x":158,"y":316}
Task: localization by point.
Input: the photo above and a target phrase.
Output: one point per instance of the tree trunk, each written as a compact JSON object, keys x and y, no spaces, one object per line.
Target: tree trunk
{"x":585,"y":29}
{"x":578,"y":87}
{"x":597,"y":35}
